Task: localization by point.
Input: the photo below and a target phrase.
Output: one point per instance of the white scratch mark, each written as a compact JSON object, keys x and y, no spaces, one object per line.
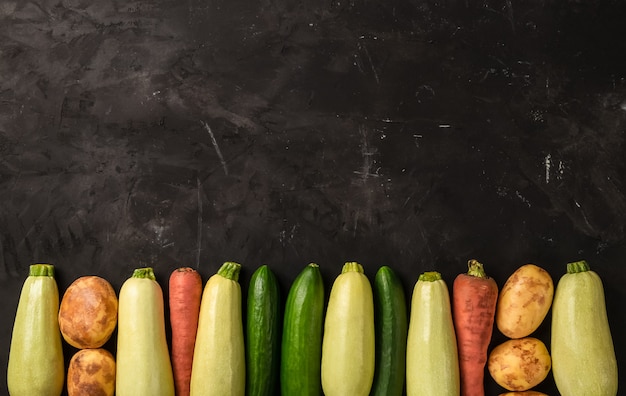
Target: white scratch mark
{"x":548,"y":163}
{"x":199,"y":224}
{"x":215,"y":145}
{"x":522,"y":198}
{"x":369,"y":60}
{"x":445,"y":126}
{"x":368,"y":161}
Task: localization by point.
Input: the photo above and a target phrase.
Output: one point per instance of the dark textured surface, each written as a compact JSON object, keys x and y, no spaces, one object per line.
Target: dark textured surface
{"x":412,"y":134}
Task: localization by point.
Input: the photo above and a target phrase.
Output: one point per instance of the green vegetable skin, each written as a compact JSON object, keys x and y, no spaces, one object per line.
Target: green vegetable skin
{"x":143,"y":364}
{"x":301,"y":351}
{"x":583,"y":356}
{"x":391,"y":326}
{"x":432,"y":357}
{"x":263,"y":327}
{"x":36,"y":366}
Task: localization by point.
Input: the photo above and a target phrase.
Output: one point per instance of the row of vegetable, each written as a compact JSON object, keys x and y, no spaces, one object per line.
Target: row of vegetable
{"x":364,"y":340}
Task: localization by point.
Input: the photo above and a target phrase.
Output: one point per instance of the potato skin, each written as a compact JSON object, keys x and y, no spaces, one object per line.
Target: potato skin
{"x":88,"y":312}
{"x":91,"y":372}
{"x":524,"y":301}
{"x":519,"y":364}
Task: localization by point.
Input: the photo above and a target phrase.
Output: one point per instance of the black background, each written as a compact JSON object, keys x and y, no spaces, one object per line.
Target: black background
{"x":414,"y":134}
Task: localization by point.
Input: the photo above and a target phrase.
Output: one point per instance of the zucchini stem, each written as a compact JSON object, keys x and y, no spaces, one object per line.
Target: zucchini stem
{"x":352,"y":266}
{"x":430,"y":276}
{"x":577,"y":266}
{"x":230,"y":270}
{"x":41,"y":270}
{"x":144,"y":273}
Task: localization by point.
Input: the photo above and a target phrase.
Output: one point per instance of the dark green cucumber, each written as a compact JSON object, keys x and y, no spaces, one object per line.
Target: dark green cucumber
{"x":300,"y":369}
{"x":263,"y":328}
{"x":391,"y":326}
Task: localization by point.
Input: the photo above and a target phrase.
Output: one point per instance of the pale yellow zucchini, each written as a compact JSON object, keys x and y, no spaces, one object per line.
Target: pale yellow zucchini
{"x":218,"y":367}
{"x":36,"y":366}
{"x":583,"y":356}
{"x":348,"y":343}
{"x":432,"y":365}
{"x":143,"y":364}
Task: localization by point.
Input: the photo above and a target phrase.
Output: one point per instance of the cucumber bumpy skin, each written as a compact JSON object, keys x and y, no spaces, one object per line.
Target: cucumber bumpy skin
{"x":263,"y":327}
{"x":301,"y":348}
{"x":391,"y":321}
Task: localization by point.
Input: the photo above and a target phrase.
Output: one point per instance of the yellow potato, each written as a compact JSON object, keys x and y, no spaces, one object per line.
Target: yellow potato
{"x":525,"y":393}
{"x":91,"y":372}
{"x":524,"y":301}
{"x":519,"y":364}
{"x":88,"y":312}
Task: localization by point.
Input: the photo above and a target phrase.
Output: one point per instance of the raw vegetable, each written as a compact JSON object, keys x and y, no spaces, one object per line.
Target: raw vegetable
{"x":519,"y":364}
{"x":219,"y":357}
{"x":263,"y":334}
{"x":301,"y":348}
{"x":524,"y":301}
{"x":91,"y":372}
{"x":391,"y":326}
{"x":432,"y":364}
{"x":524,"y":393}
{"x":185,"y":293}
{"x":583,"y":356}
{"x":88,"y":312}
{"x":474,"y":298}
{"x":348,"y":342}
{"x":143,"y":362}
{"x":36,"y":366}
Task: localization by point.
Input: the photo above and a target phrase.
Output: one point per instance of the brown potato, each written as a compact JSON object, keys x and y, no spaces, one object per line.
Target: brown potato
{"x":524,"y":393}
{"x":88,"y":312}
{"x":91,"y":372}
{"x":524,"y":301}
{"x":519,"y":364}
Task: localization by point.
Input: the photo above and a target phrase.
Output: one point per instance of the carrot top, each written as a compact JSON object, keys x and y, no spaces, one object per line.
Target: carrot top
{"x":475,"y":268}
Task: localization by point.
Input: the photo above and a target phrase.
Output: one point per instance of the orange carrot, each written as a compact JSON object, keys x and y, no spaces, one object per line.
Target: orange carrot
{"x":185,"y":292}
{"x":474,"y":298}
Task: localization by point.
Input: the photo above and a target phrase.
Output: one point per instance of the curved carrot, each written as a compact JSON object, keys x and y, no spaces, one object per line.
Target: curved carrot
{"x":185,"y":293}
{"x":474,"y":298}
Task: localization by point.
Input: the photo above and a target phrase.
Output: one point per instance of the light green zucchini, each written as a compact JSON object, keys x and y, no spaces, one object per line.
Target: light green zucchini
{"x":348,"y":344}
{"x":582,"y":351}
{"x":36,"y":366}
{"x":143,"y":366}
{"x":432,"y":365}
{"x":219,"y":361}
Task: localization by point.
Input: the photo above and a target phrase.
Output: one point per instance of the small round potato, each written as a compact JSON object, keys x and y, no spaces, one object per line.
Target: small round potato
{"x":519,"y":364}
{"x":88,"y":312}
{"x":524,"y":301}
{"x":91,"y":372}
